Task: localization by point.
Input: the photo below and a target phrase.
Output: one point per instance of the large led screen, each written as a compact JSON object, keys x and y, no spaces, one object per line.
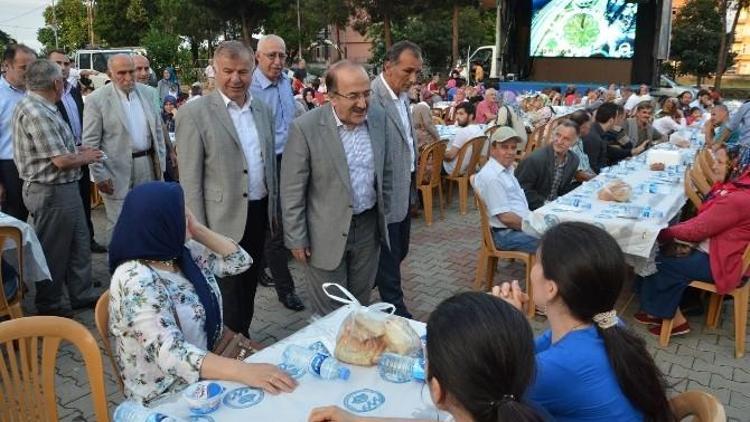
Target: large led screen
{"x":583,"y":28}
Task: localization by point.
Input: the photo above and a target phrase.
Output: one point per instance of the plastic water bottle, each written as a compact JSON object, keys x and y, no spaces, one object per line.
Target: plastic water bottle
{"x":397,"y":368}
{"x":318,"y":364}
{"x":130,"y":411}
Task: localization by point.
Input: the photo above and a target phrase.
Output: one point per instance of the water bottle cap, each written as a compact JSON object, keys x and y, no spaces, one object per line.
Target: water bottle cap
{"x":344,"y":373}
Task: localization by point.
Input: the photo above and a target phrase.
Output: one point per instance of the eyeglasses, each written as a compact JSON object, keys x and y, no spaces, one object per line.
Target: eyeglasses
{"x":355,"y":96}
{"x":275,"y":55}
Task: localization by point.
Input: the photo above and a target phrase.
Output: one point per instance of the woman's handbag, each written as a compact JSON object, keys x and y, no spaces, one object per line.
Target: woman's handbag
{"x":235,"y":346}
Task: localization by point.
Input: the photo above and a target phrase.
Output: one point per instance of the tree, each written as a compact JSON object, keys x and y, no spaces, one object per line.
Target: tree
{"x":696,"y":37}
{"x":455,"y":6}
{"x":72,"y":27}
{"x":727,"y":38}
{"x":249,"y":13}
{"x":5,"y":40}
{"x":119,"y":23}
{"x":386,"y":12}
{"x":477,"y":28}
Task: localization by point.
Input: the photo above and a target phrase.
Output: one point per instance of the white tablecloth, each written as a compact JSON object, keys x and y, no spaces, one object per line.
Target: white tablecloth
{"x":34,"y":263}
{"x":363,"y":389}
{"x":448,"y":132}
{"x":656,"y":199}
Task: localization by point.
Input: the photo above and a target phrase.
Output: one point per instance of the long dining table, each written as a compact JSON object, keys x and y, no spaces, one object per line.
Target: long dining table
{"x":656,"y":199}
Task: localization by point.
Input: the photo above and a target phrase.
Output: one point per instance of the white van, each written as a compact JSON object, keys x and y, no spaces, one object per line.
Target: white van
{"x":96,"y":59}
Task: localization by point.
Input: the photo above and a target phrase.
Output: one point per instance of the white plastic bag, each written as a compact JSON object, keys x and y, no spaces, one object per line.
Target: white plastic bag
{"x":368,"y":331}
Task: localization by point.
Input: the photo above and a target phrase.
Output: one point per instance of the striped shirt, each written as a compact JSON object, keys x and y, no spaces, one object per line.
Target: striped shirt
{"x":40,"y":134}
{"x":360,"y":160}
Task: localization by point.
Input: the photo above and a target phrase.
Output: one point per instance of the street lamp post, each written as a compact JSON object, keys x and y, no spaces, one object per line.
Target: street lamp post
{"x":498,"y":39}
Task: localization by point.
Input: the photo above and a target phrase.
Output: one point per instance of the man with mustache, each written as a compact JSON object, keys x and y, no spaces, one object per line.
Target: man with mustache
{"x":332,"y":186}
{"x":228,"y":170}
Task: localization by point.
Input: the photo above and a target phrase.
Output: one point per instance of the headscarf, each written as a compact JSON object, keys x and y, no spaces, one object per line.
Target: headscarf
{"x":741,"y":183}
{"x":169,"y":99}
{"x":152,"y":226}
{"x":172,"y":75}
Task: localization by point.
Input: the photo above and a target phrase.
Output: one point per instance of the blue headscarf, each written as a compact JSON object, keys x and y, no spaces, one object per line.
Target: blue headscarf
{"x":152,"y":226}
{"x":172,"y":75}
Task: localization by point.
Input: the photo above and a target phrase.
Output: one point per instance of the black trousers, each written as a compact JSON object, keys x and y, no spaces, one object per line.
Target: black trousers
{"x":388,"y":279}
{"x":12,"y":183}
{"x":84,"y":187}
{"x":238,"y":291}
{"x":277,"y":255}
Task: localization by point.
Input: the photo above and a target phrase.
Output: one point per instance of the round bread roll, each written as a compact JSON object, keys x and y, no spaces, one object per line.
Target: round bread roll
{"x":616,"y":190}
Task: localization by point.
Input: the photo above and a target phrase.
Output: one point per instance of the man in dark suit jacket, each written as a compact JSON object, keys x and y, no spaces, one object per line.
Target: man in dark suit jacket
{"x":71,"y":108}
{"x":549,"y":172}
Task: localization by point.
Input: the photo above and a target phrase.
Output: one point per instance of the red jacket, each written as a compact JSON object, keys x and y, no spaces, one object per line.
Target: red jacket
{"x":725,"y":220}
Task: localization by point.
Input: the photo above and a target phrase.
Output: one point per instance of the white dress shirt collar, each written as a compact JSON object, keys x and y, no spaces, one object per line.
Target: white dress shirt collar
{"x":228,"y":101}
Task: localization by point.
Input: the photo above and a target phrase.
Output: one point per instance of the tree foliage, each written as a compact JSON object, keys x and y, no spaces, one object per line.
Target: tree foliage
{"x":120,"y":23}
{"x":696,"y":38}
{"x":5,"y":39}
{"x":72,"y":27}
{"x":431,"y":30}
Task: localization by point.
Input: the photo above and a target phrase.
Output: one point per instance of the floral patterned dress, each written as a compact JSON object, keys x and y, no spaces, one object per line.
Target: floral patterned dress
{"x":156,"y":353}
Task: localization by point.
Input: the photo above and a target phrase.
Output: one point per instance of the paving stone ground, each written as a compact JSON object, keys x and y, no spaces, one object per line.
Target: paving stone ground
{"x":442,"y":262}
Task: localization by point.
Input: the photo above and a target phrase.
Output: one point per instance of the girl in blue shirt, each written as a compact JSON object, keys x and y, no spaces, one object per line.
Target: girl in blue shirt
{"x":589,"y":366}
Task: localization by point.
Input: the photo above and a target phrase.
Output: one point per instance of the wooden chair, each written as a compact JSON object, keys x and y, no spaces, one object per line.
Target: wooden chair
{"x":691,"y":191}
{"x":489,"y":254}
{"x":101,"y":318}
{"x":741,"y":295}
{"x":437,"y":112}
{"x":437,"y":120}
{"x":702,"y":406}
{"x":431,"y":163}
{"x":462,"y":180}
{"x":12,"y":307}
{"x":700,"y":180}
{"x":29,"y":388}
{"x":533,"y":141}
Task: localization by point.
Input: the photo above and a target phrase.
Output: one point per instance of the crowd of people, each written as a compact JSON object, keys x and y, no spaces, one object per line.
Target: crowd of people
{"x":273,"y":164}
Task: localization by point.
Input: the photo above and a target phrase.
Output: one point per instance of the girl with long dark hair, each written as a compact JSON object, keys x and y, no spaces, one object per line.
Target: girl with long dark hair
{"x":480,"y":362}
{"x":589,"y":366}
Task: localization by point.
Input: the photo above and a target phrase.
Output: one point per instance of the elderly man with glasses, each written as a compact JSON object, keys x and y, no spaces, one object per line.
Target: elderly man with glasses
{"x":272,"y":86}
{"x":332,"y":184}
{"x":49,"y":164}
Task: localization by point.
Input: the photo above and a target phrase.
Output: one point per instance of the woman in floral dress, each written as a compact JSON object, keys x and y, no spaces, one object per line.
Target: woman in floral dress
{"x":165,"y":305}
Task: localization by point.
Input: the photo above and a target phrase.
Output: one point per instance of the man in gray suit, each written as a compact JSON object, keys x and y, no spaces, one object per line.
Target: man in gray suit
{"x":332,"y":185}
{"x":119,"y":120}
{"x":403,"y":62}
{"x":225,"y":148}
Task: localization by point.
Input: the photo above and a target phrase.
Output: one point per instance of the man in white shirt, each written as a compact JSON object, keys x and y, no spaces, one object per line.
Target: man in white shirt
{"x":120,"y":120}
{"x":466,"y":131}
{"x":634,"y":100}
{"x":227,"y":168}
{"x":703,"y":101}
{"x":502,"y":194}
{"x":210,"y":74}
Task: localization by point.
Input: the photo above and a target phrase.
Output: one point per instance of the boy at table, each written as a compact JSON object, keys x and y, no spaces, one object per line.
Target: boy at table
{"x":503,"y":195}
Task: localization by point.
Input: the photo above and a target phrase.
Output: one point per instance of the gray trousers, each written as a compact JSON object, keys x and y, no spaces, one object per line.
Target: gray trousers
{"x":60,"y":224}
{"x":142,"y":172}
{"x":357,"y":268}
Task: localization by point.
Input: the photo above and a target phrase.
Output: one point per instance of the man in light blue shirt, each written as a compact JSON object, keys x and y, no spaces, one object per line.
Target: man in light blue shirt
{"x":273,"y":87}
{"x":16,"y":59}
{"x":502,"y":194}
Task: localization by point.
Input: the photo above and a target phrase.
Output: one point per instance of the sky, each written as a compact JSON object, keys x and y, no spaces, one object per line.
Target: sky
{"x":22,"y":18}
